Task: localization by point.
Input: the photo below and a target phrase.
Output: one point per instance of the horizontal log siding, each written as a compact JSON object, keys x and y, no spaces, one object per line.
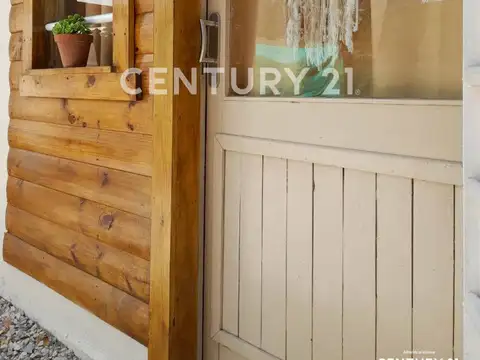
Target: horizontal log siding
{"x":79,"y":190}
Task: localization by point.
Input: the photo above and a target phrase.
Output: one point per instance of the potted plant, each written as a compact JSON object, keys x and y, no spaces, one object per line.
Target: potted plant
{"x":73,"y":38}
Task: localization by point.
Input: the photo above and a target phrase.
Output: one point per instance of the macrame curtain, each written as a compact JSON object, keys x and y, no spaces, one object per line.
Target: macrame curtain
{"x":321,"y":26}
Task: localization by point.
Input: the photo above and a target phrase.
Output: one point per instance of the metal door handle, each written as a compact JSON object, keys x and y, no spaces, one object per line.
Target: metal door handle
{"x":209,"y":49}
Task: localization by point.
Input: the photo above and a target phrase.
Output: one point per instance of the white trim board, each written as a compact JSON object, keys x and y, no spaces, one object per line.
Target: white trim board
{"x":471,"y":161}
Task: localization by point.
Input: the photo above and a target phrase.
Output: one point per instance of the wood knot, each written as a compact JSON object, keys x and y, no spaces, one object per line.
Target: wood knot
{"x":72,"y":119}
{"x":100,"y":253}
{"x":91,"y":81}
{"x":106,"y":221}
{"x":130,"y":126}
{"x":105,"y":179}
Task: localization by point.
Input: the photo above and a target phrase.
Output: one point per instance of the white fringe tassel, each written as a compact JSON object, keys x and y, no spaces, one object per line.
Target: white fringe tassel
{"x":320,"y":26}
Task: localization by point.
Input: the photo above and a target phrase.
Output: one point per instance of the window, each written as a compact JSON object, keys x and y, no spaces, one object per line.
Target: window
{"x":398,"y":49}
{"x":112,"y":51}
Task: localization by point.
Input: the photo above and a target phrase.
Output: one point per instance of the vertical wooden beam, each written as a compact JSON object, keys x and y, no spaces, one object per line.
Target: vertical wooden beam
{"x":124,"y":34}
{"x":175,"y":192}
{"x":27,"y":34}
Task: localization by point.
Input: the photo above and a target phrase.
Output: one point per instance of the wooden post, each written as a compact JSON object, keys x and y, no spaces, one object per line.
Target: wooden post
{"x":175,"y":192}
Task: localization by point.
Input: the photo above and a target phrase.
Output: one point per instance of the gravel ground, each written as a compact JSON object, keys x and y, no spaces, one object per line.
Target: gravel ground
{"x":22,"y":338}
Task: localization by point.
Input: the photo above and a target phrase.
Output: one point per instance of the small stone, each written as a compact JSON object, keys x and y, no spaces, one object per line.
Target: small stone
{"x":29,"y":348}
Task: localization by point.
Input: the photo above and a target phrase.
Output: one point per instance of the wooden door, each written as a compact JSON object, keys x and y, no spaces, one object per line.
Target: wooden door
{"x":334,"y":218}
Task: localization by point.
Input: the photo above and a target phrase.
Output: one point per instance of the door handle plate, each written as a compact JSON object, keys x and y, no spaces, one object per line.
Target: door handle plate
{"x":210,"y":38}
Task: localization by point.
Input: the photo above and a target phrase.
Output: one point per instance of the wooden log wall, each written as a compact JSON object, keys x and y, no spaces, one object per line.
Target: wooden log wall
{"x":79,"y":191}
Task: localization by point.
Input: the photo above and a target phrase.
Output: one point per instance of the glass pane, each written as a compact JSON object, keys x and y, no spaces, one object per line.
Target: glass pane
{"x":407,"y":49}
{"x":45,"y":50}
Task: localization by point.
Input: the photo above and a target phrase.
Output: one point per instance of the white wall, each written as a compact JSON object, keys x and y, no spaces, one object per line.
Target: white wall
{"x":88,"y":336}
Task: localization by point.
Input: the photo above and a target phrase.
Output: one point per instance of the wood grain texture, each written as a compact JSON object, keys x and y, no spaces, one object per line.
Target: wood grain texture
{"x":144,"y":31}
{"x":16,"y":18}
{"x":119,"y":229}
{"x":143,"y":6}
{"x":118,"y":268}
{"x":123,"y":35}
{"x":101,"y":86}
{"x":176,"y":191}
{"x":127,"y":152}
{"x":70,"y":71}
{"x":131,"y":117}
{"x":15,"y":47}
{"x":15,"y":73}
{"x":118,"y":189}
{"x":112,"y":305}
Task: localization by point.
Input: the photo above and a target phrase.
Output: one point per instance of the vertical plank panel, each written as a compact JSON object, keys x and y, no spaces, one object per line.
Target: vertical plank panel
{"x":359,"y":266}
{"x":299,"y":260}
{"x":231,"y":241}
{"x":251,"y":249}
{"x":328,"y":263}
{"x":458,"y":334}
{"x":274,"y":256}
{"x":394,"y":266}
{"x":433,"y":268}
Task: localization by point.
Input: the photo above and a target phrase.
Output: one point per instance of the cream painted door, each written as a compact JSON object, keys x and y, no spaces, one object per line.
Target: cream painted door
{"x":334,"y":218}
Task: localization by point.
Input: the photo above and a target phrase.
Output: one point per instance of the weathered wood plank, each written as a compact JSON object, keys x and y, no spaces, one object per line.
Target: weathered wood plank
{"x":15,"y":73}
{"x":13,"y":2}
{"x":118,"y":189}
{"x":112,"y":305}
{"x":102,"y":86}
{"x":118,"y":268}
{"x":119,"y":229}
{"x":132,"y":117}
{"x":15,"y":46}
{"x":16,"y":18}
{"x":128,"y":152}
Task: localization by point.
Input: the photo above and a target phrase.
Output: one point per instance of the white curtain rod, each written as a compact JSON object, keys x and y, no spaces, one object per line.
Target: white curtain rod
{"x":94,"y":19}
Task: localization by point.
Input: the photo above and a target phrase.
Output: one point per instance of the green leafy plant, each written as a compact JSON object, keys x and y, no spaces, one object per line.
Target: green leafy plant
{"x":73,"y":24}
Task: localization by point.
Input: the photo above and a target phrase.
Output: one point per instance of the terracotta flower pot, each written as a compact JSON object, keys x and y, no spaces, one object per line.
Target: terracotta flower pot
{"x":74,"y":49}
